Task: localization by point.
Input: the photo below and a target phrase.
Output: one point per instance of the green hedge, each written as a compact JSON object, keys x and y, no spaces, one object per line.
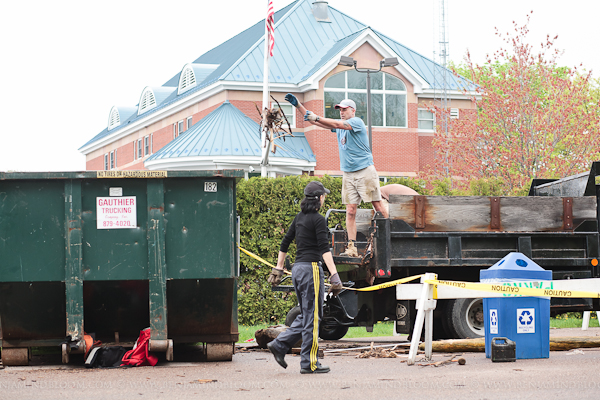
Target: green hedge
{"x":266,"y":208}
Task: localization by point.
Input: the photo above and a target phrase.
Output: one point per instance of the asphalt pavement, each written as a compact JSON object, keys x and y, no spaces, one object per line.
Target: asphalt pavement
{"x":254,"y":374}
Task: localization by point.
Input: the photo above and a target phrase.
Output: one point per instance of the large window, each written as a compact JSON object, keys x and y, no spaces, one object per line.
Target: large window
{"x":388,"y":97}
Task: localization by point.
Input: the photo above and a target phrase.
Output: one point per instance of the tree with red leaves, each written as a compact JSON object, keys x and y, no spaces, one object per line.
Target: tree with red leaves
{"x":533,"y":119}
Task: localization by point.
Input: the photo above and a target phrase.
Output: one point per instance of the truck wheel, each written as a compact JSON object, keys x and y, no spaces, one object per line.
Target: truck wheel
{"x":465,"y":317}
{"x":325,"y":332}
{"x":291,"y":315}
{"x":332,"y":333}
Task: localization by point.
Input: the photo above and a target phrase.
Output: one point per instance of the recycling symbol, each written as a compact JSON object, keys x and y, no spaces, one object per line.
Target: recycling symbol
{"x":525,"y":318}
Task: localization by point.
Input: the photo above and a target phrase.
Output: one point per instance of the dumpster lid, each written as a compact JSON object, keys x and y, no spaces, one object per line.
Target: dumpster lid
{"x":515,"y":266}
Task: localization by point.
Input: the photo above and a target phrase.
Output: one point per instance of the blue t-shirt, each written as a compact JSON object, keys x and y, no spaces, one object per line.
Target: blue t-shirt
{"x":355,"y":153}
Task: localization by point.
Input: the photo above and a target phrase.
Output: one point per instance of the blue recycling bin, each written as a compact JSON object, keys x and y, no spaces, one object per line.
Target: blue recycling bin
{"x":524,"y":320}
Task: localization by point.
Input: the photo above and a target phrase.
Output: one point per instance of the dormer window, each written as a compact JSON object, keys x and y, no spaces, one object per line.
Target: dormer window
{"x":193,"y":74}
{"x":114,"y":119}
{"x":187,"y":79}
{"x":147,"y":101}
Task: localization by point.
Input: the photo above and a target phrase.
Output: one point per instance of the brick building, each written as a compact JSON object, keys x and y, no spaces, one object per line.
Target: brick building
{"x":205,"y":117}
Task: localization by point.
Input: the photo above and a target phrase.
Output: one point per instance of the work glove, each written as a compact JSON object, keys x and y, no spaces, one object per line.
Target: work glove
{"x":336,"y":284}
{"x":311,"y":116}
{"x":291,"y":99}
{"x":275,"y":276}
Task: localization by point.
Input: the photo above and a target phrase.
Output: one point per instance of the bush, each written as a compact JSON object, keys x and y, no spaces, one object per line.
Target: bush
{"x":266,"y":208}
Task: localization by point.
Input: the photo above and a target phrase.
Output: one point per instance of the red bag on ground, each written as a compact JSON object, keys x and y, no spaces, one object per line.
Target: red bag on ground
{"x":139,"y":355}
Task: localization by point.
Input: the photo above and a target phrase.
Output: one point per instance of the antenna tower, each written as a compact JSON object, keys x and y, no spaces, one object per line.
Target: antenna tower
{"x":441,"y":75}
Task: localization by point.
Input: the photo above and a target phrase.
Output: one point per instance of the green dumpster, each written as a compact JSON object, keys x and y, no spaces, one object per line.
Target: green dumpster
{"x":115,"y":252}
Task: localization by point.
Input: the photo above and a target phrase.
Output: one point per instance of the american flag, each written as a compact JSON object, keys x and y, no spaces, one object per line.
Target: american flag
{"x":271,"y":27}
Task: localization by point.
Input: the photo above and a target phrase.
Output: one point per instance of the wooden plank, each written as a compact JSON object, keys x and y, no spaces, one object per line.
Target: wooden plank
{"x":474,"y":214}
{"x":478,"y":345}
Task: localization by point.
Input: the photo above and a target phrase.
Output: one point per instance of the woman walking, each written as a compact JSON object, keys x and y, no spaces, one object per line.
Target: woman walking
{"x":309,"y":228}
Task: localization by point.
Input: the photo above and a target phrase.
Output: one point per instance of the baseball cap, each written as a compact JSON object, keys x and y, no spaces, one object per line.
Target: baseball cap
{"x":315,"y":188}
{"x":345,"y":104}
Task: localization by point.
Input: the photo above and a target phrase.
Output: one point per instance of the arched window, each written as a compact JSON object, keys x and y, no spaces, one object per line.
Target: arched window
{"x":388,"y":97}
{"x":114,"y":118}
{"x":187,"y":79}
{"x":147,"y":101}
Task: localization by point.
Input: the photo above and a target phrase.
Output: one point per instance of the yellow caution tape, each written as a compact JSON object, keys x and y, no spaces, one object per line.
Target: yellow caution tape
{"x":387,"y":284}
{"x":515,"y":291}
{"x":366,"y":289}
{"x":260,"y":259}
{"x":483,"y":287}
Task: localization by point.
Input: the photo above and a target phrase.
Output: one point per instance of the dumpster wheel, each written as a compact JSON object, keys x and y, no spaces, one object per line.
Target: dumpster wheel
{"x":219,"y":351}
{"x":65,"y":353}
{"x":15,"y":355}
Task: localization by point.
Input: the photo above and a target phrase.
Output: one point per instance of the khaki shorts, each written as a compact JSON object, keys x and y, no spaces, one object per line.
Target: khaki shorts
{"x":362,"y":184}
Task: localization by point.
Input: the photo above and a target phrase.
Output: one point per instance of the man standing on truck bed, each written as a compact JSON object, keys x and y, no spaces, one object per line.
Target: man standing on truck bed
{"x":360,"y":180}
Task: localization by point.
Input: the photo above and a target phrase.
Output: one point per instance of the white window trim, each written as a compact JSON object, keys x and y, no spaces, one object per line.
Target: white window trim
{"x":187,"y":79}
{"x":419,"y":119}
{"x":140,"y":149}
{"x":114,"y":118}
{"x":106,"y":162}
{"x":182,"y":125}
{"x":347,"y":93}
{"x":454,"y":113}
{"x":146,"y":145}
{"x":147,"y":101}
{"x":134,"y":150}
{"x":189,"y":122}
{"x":152,"y":143}
{"x":175,"y":132}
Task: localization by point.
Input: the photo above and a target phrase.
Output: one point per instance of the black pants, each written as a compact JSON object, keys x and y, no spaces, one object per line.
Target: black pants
{"x":308,"y":284}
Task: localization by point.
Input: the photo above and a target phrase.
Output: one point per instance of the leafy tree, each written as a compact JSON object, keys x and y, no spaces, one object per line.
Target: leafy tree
{"x":532,"y":118}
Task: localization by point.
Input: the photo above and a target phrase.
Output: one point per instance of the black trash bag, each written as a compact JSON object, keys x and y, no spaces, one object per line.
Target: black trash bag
{"x":105,"y":357}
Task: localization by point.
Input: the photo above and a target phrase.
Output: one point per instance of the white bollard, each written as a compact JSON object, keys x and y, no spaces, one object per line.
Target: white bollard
{"x":425,"y":306}
{"x":586,"y":319}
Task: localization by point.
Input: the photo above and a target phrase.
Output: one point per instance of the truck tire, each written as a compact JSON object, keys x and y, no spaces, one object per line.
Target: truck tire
{"x":325,"y":333}
{"x":332,"y":333}
{"x":464,"y":317}
{"x":291,"y":315}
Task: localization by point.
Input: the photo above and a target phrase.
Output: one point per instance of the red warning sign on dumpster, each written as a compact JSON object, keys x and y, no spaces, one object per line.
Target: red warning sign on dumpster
{"x":116,"y":212}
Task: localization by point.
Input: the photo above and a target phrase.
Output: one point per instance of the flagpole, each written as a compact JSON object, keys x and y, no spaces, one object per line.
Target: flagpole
{"x":266,"y":144}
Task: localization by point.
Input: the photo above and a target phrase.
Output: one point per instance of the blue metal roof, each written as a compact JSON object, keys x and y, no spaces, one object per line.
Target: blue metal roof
{"x":299,"y":42}
{"x":426,"y":68}
{"x":229,"y":132}
{"x":302,"y":46}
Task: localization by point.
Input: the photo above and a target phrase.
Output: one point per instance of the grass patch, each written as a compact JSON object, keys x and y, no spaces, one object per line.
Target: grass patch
{"x":569,"y":320}
{"x":572,"y":320}
{"x":379,"y":329}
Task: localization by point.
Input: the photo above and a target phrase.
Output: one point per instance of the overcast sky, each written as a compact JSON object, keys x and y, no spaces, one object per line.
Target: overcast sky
{"x":66,"y":63}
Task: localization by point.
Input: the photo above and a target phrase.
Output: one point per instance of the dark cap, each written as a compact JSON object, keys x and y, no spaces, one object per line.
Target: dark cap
{"x":315,"y":188}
